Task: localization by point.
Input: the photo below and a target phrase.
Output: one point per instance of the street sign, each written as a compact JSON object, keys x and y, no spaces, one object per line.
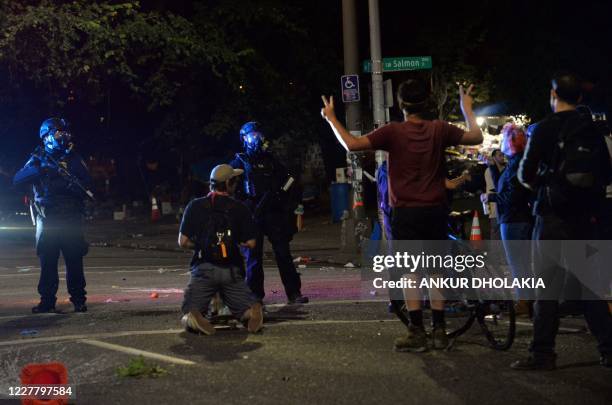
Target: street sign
{"x":350,"y":88}
{"x":401,"y":63}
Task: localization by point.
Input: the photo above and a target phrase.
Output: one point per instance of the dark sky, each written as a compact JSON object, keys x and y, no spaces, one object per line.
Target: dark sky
{"x":518,"y":43}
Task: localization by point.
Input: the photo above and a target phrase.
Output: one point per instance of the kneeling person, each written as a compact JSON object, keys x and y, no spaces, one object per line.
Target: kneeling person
{"x":215,"y":227}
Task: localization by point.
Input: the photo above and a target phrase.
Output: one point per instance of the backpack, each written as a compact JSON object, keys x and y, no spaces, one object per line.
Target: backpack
{"x":579,"y":169}
{"x":215,"y":243}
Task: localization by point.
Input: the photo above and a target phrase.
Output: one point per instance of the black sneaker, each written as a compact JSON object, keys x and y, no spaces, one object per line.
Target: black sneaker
{"x":299,"y":299}
{"x":535,"y":363}
{"x":42,"y":308}
{"x":80,"y":308}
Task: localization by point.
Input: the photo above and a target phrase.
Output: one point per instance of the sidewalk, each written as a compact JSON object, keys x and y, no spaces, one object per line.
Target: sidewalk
{"x":319,"y":240}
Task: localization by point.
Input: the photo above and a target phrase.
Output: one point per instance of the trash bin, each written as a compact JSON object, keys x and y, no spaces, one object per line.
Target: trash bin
{"x":339,"y":193}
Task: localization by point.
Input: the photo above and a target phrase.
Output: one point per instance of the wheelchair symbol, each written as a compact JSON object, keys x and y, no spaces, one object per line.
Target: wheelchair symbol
{"x":348,"y":83}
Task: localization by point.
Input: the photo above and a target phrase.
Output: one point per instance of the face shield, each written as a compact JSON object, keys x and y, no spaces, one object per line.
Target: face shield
{"x":254,"y":142}
{"x":58,"y":140}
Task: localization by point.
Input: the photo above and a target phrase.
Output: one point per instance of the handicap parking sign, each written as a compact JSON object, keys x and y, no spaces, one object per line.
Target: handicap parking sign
{"x":350,"y":88}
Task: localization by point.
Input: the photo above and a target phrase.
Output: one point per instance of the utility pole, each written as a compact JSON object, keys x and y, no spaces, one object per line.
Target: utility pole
{"x":355,"y":227}
{"x":351,"y":60}
{"x":378,"y":98}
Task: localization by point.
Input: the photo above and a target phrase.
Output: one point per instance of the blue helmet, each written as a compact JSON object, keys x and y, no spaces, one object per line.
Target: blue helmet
{"x":252,"y":138}
{"x":50,"y":125}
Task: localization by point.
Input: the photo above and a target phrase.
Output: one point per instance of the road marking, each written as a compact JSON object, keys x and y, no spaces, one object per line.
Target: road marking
{"x":80,"y":337}
{"x":137,"y":352}
{"x":53,"y":339}
{"x":100,"y":272}
{"x":106,"y":335}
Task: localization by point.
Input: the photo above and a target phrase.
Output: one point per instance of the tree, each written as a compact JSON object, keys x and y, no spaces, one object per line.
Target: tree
{"x":85,"y":47}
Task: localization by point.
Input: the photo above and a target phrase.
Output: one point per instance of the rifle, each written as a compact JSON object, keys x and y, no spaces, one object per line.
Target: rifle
{"x":72,"y":179}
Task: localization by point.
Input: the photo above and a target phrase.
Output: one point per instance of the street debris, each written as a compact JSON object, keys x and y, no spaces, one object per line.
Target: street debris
{"x":324,"y":268}
{"x":29,"y":332}
{"x":302,"y":259}
{"x":349,"y":264}
{"x":138,"y":367}
{"x":25,"y":269}
{"x":154,"y":295}
{"x":302,"y":266}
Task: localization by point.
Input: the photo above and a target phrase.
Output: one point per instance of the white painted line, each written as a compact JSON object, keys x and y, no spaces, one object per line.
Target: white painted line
{"x":137,"y":352}
{"x":100,"y":272}
{"x":332,"y":302}
{"x":328,"y":322}
{"x":53,"y":339}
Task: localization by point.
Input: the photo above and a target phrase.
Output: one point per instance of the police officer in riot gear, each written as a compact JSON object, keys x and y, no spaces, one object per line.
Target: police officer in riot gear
{"x":264,"y":178}
{"x":59,"y":179}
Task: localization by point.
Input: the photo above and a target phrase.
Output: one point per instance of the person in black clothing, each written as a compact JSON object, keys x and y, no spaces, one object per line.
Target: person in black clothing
{"x":513,"y":202}
{"x":537,"y":171}
{"x":218,"y":268}
{"x":264,"y":178}
{"x":58,"y":199}
{"x":497,"y":164}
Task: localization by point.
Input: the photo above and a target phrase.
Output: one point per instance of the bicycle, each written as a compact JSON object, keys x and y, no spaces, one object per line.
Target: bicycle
{"x":496,"y":318}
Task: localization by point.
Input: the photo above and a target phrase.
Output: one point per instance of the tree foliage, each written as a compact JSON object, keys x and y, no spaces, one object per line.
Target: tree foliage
{"x":87,"y":46}
{"x":199,"y":75}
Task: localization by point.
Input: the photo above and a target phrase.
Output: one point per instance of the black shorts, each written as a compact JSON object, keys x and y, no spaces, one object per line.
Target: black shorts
{"x":420,"y":223}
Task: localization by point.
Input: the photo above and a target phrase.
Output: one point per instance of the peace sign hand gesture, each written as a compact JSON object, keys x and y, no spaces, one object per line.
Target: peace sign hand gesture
{"x":465,"y":98}
{"x":328,"y":111}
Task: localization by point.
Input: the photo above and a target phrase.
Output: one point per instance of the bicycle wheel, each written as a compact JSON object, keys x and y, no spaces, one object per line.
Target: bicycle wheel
{"x":464,"y":320}
{"x":497,"y":320}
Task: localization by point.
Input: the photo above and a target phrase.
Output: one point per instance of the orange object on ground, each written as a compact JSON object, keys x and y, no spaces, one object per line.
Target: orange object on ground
{"x":475,"y":234}
{"x":155,"y":212}
{"x":44,"y":374}
{"x":154,"y":295}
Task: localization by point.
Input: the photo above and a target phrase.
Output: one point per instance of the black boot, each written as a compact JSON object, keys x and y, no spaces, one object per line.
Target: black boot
{"x":80,"y":307}
{"x":43,"y":308}
{"x":298,"y":299}
{"x":535,"y":363}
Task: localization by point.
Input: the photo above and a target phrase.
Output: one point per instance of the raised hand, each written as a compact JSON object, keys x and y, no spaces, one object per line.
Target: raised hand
{"x":465,"y":98}
{"x":328,"y":111}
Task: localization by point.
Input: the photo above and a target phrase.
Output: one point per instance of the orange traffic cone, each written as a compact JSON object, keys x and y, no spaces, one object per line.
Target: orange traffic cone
{"x":299,"y":213}
{"x":46,"y":374}
{"x":475,"y":233}
{"x":155,"y":212}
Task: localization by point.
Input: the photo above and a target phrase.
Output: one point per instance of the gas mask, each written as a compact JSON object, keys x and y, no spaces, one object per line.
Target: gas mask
{"x":254,"y":142}
{"x":58,"y":140}
{"x":55,"y":135}
{"x":253,"y":139}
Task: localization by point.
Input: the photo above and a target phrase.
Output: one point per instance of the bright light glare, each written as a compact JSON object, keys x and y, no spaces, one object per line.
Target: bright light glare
{"x":480,"y":121}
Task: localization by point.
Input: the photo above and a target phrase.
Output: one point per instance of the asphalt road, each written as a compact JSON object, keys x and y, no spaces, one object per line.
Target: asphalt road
{"x":336,"y":350}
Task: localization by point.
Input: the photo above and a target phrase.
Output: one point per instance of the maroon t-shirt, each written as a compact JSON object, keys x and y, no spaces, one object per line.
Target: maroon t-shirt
{"x":416,"y":160}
